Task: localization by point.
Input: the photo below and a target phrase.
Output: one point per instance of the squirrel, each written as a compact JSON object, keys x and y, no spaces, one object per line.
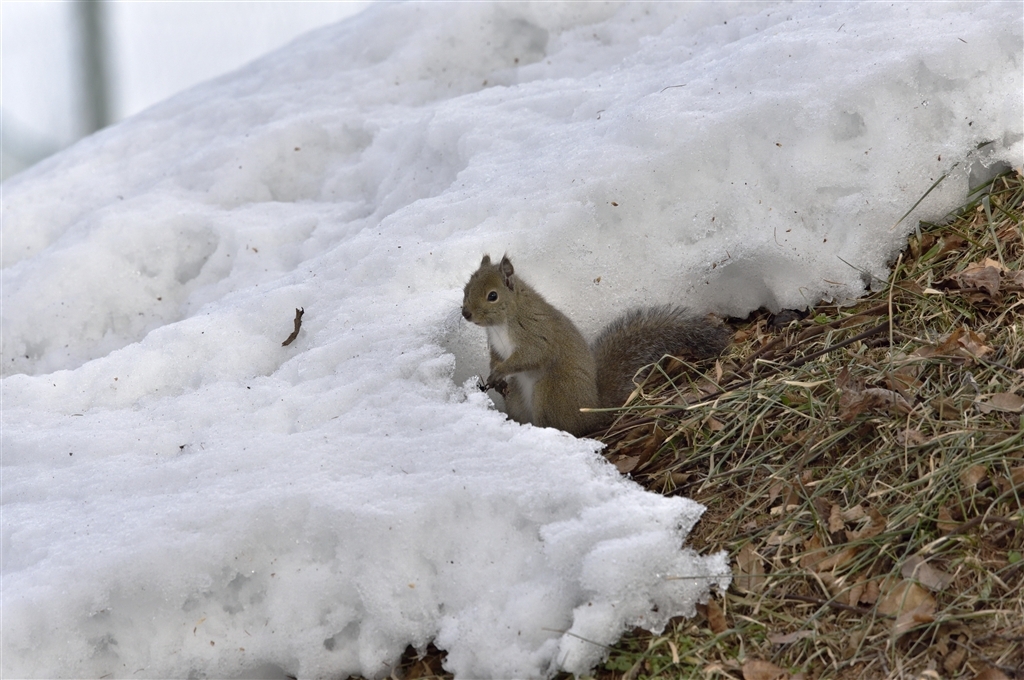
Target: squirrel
{"x":545,"y":369}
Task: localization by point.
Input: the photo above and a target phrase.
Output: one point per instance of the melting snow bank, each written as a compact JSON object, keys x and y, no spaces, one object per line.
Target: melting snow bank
{"x":183,"y":496}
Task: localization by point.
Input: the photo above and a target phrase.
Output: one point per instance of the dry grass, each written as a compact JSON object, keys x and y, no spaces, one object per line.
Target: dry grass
{"x":863,"y":467}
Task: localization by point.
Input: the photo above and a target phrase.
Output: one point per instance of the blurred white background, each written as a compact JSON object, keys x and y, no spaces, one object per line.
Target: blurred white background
{"x":69,"y":68}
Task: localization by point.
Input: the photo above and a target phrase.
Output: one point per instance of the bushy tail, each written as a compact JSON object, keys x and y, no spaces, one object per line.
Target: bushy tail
{"x":643,"y":336}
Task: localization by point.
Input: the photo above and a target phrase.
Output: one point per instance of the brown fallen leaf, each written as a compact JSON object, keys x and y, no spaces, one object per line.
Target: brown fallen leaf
{"x":716,"y":618}
{"x":954,"y":660}
{"x":871,"y":593}
{"x":906,"y":596}
{"x":981,"y":275}
{"x":1017,"y":476}
{"x":853,"y":402}
{"x":837,"y":560}
{"x":756,"y":669}
{"x":945,"y":523}
{"x":946,"y":408}
{"x":813,"y":554}
{"x":790,"y":638}
{"x":855,"y":514}
{"x":875,"y":526}
{"x":1000,"y":401}
{"x":972,"y":476}
{"x":974,"y":344}
{"x":907,"y":621}
{"x":991,"y":674}
{"x":835,"y":520}
{"x":750,"y":571}
{"x":627,"y":464}
{"x":916,"y":568}
{"x":911,"y":437}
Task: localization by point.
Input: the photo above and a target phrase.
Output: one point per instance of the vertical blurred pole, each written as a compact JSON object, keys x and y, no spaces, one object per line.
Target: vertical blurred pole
{"x":96,"y":112}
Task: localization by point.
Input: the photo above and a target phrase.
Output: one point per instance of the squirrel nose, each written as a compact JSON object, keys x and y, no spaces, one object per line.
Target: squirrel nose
{"x":466,"y":313}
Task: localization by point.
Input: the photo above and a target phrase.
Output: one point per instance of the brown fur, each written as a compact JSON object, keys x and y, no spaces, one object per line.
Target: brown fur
{"x":550,"y":370}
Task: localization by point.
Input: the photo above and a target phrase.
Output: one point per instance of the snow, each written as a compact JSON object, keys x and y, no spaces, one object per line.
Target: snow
{"x":184,"y":497}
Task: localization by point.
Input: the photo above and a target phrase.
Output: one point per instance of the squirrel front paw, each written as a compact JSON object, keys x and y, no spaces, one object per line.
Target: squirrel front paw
{"x":497,"y":384}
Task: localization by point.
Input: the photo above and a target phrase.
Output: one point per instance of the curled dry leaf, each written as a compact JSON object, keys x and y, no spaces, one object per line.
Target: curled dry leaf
{"x":871,"y":593}
{"x":954,"y":660}
{"x":757,"y":669}
{"x":299,"y":311}
{"x":835,"y":520}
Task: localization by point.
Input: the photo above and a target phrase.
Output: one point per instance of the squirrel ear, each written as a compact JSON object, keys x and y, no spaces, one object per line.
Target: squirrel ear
{"x":507,"y":271}
{"x":486,"y":262}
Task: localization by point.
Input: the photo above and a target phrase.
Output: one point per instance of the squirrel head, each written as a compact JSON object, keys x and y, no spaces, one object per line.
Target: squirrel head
{"x":489,"y":297}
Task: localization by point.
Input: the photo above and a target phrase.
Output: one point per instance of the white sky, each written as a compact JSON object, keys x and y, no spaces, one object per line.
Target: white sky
{"x":154,"y":50}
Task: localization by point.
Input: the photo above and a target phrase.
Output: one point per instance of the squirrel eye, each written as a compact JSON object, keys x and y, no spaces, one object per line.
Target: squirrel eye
{"x":492,"y":296}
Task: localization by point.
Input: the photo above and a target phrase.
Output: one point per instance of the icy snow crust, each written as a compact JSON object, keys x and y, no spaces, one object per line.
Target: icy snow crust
{"x":184,"y":497}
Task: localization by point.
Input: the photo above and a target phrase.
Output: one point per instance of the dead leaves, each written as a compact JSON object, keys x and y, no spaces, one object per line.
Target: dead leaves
{"x":853,"y":402}
{"x":1006,"y":402}
{"x":961,"y":343}
{"x":920,"y":570}
{"x":981,"y":275}
{"x":749,"y":570}
{"x":910,"y":601}
{"x":756,"y":669}
{"x":630,"y":455}
{"x":982,"y":282}
{"x":910,"y":605}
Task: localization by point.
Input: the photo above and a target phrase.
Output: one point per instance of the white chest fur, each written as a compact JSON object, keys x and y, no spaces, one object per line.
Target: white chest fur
{"x":499,"y":340}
